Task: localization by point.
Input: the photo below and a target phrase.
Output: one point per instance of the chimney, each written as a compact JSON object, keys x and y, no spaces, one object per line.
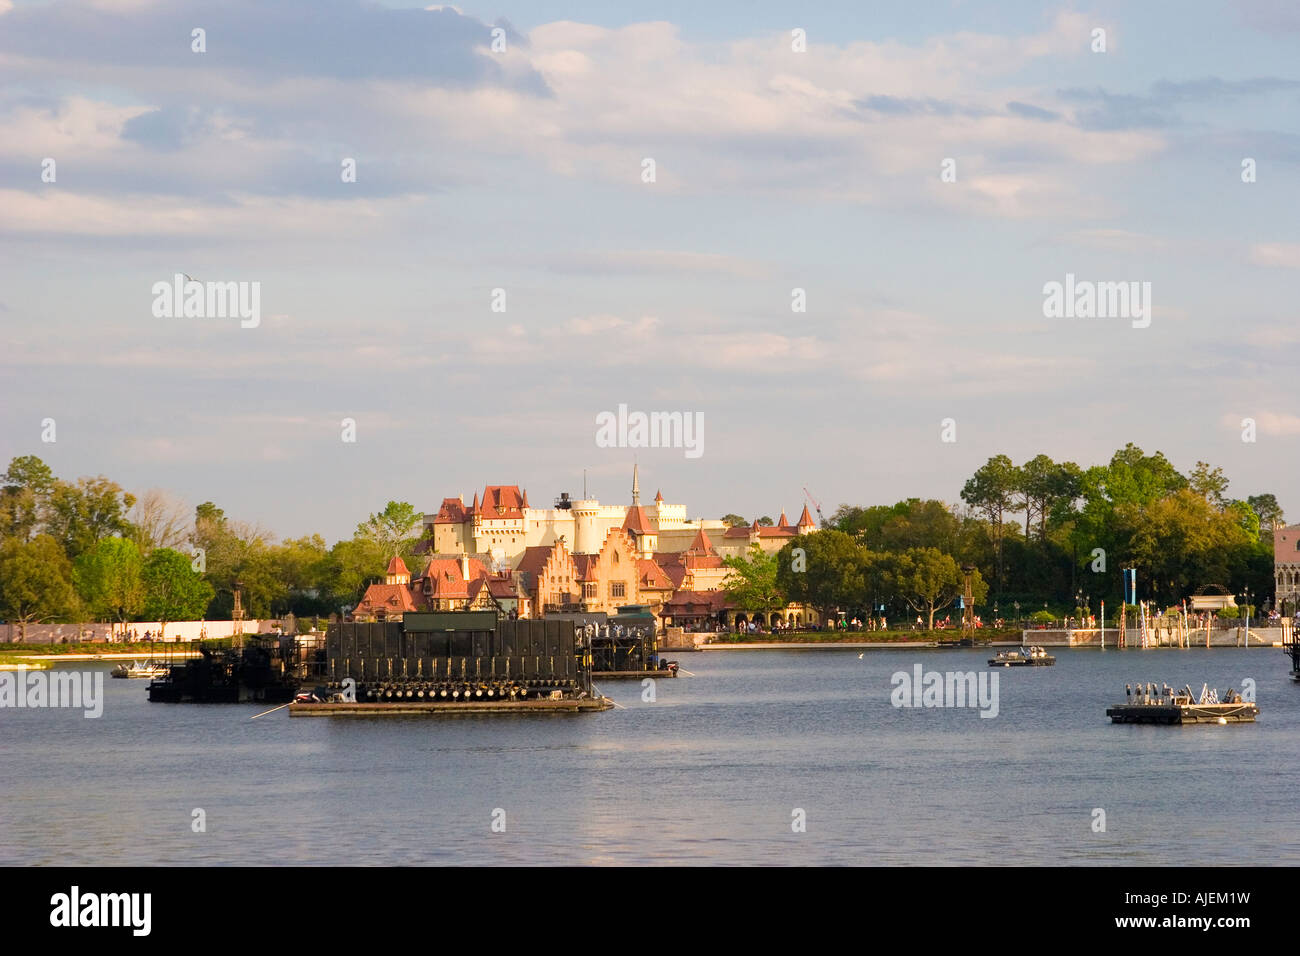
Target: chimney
{"x":464,"y":567}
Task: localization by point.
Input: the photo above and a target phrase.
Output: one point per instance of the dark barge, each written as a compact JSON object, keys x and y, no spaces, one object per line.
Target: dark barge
{"x":453,"y":662}
{"x":1152,"y":705}
{"x":626,"y":646}
{"x":263,"y":669}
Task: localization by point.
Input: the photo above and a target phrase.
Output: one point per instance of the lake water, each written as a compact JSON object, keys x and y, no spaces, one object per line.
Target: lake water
{"x":709,"y":773}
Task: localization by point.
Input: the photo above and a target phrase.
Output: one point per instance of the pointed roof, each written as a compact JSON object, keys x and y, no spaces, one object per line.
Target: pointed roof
{"x":397,"y":566}
{"x":755,"y":526}
{"x":636,"y":488}
{"x":636,"y":521}
{"x":525,"y":502}
{"x":659,"y":497}
{"x":700,"y":544}
{"x":473,"y":509}
{"x":784,"y":522}
{"x":805,"y":519}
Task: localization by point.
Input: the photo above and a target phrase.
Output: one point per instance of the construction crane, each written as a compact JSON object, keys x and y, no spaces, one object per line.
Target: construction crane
{"x":808,"y":495}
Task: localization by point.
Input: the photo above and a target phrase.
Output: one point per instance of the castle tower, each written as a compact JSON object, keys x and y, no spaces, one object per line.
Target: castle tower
{"x":397,"y":572}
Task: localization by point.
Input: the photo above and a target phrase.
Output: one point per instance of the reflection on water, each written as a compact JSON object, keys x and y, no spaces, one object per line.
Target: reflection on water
{"x":709,"y":773}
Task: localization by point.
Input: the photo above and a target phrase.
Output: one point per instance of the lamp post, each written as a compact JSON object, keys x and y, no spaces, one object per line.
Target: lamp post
{"x":1245,"y":641}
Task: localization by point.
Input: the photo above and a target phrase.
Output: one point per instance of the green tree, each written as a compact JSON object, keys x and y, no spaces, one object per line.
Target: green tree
{"x":929,"y":580}
{"x":81,"y":515}
{"x":991,"y":492}
{"x":752,"y":585}
{"x":733,"y":520}
{"x":174,"y":591}
{"x":24,"y":497}
{"x":1209,"y":483}
{"x":765,"y":521}
{"x":35,"y":581}
{"x":394,"y":528}
{"x":825,"y":570}
{"x":1268,"y":510}
{"x":108,"y":578}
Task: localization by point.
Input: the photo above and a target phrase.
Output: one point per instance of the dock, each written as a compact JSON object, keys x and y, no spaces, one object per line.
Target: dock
{"x":1166,"y":706}
{"x":631,"y":675}
{"x":566,"y":705}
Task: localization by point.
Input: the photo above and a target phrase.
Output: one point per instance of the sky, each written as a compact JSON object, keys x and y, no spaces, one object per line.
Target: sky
{"x":522,"y":169}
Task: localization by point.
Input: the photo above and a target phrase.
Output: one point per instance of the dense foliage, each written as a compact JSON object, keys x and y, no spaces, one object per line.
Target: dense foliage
{"x":1043,"y":533}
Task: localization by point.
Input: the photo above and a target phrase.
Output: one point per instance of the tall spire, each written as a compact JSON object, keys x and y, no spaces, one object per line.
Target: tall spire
{"x":636,"y":487}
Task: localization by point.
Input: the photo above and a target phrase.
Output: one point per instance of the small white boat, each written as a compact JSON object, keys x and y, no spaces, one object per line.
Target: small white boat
{"x":137,"y":669}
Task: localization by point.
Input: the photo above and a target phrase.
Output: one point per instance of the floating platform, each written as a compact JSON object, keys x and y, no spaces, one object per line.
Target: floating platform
{"x":1183,"y":713}
{"x":631,"y":675}
{"x":1182,"y":707}
{"x":412,"y":708}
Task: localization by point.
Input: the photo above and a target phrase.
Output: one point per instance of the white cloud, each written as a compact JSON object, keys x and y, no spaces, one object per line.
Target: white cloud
{"x":1284,"y":254}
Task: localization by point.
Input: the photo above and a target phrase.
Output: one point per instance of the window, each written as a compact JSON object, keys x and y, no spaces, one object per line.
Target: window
{"x":617,"y":589}
{"x":589,"y":590}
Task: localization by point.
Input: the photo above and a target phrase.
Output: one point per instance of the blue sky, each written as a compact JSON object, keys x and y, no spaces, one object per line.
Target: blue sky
{"x":521,"y":170}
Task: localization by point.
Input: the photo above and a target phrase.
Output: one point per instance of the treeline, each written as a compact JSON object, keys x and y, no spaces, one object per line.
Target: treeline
{"x":1041,"y":535}
{"x":89,"y":550}
{"x":1048,"y":532}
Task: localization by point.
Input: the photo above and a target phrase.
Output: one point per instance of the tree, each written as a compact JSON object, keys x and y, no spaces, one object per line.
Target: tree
{"x":82,"y":514}
{"x":108,"y":578}
{"x":929,"y":580}
{"x":159,"y":520}
{"x":393,"y":528}
{"x":173,"y":590}
{"x":1268,"y":510}
{"x":752,"y":585}
{"x":35,"y":581}
{"x":829,"y":574}
{"x":733,"y":520}
{"x":1048,"y":491}
{"x":1209,"y":483}
{"x":351,"y":565}
{"x":991,"y":491}
{"x":765,"y":521}
{"x":24,"y":498}
{"x":232,"y":553}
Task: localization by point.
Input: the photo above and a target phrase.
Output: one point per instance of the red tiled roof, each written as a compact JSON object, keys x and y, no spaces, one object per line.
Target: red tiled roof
{"x":502,"y":587}
{"x":586,"y":565}
{"x":695,"y":602}
{"x":637,"y":521}
{"x":651,"y":575}
{"x":502,"y":501}
{"x":452,"y":511}
{"x":700,"y":544}
{"x":397,"y":566}
{"x":444,"y":579}
{"x":787,"y":532}
{"x":659,"y":497}
{"x":784,"y":522}
{"x":534,"y":558}
{"x":739,"y":531}
{"x":805,"y":519}
{"x":388,"y":597}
